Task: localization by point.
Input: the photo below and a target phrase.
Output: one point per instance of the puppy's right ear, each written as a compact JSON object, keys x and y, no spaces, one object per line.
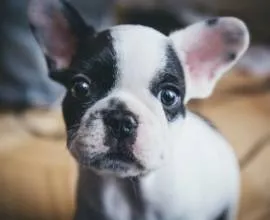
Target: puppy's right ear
{"x":58,"y":28}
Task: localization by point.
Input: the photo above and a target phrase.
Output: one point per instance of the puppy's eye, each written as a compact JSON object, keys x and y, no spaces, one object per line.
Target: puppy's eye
{"x":80,"y":88}
{"x":169,"y":96}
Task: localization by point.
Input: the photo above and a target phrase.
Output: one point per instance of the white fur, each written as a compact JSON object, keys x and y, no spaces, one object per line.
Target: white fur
{"x":198,"y":182}
{"x":114,"y":201}
{"x":140,"y":54}
{"x":193,"y":172}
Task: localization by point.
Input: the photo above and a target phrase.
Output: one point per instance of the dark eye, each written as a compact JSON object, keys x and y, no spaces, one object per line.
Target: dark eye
{"x":80,"y":88}
{"x":169,"y":96}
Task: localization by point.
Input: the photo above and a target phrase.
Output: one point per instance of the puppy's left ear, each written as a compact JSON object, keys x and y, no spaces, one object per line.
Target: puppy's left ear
{"x":207,"y":50}
{"x":58,"y":29}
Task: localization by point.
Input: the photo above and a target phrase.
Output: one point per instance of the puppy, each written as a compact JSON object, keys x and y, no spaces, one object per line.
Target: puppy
{"x":142,"y":155}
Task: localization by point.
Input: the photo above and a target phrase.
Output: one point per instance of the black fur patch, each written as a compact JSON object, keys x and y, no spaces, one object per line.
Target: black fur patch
{"x":171,"y":75}
{"x":223,"y":215}
{"x":96,"y":61}
{"x":77,"y":24}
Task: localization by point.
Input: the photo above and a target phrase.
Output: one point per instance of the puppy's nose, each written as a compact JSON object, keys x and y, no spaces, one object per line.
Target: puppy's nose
{"x":122,"y":124}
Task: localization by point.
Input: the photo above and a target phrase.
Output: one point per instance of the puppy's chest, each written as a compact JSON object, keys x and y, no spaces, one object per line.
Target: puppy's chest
{"x":137,"y":201}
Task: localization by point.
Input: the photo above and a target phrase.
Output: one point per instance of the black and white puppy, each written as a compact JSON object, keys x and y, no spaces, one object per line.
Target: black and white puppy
{"x":142,"y":155}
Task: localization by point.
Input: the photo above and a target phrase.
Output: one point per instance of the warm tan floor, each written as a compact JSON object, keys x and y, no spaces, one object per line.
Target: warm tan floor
{"x":37,"y":175}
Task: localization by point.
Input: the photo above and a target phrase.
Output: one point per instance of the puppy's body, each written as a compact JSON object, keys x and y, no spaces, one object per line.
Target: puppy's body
{"x":142,"y":155}
{"x":200,"y":182}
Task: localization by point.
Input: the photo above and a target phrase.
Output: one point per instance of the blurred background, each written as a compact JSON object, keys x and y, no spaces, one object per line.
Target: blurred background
{"x":37,"y":174}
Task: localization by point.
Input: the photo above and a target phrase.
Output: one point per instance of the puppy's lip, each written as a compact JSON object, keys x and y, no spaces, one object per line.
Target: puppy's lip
{"x":125,"y":160}
{"x":128,"y":158}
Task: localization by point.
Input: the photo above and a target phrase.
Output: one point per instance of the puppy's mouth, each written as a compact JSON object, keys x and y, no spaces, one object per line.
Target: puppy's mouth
{"x":118,"y":163}
{"x":125,"y":158}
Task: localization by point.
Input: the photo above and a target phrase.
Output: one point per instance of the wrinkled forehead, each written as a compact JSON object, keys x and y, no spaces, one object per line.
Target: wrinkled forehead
{"x":140,"y":53}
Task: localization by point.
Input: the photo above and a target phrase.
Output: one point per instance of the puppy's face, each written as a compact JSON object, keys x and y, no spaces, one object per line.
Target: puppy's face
{"x":127,"y":85}
{"x":121,"y":100}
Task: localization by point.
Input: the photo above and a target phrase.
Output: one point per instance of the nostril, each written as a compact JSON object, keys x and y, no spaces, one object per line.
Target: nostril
{"x":128,"y":125}
{"x":112,"y":121}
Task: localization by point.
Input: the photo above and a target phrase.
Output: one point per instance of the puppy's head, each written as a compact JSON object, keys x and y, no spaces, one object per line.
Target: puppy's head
{"x":127,"y":85}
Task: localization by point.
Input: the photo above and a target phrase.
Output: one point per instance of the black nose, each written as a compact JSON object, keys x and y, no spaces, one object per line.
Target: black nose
{"x":121,"y":124}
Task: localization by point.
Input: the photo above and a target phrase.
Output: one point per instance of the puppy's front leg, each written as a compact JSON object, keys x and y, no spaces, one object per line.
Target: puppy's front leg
{"x":87,"y":214}
{"x":83,"y":212}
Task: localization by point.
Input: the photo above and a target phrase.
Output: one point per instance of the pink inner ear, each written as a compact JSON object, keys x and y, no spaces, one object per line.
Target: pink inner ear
{"x":61,"y":42}
{"x":205,"y":56}
{"x":54,"y":31}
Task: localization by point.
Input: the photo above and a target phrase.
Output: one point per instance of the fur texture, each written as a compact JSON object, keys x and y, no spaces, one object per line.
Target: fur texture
{"x":137,"y":146}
